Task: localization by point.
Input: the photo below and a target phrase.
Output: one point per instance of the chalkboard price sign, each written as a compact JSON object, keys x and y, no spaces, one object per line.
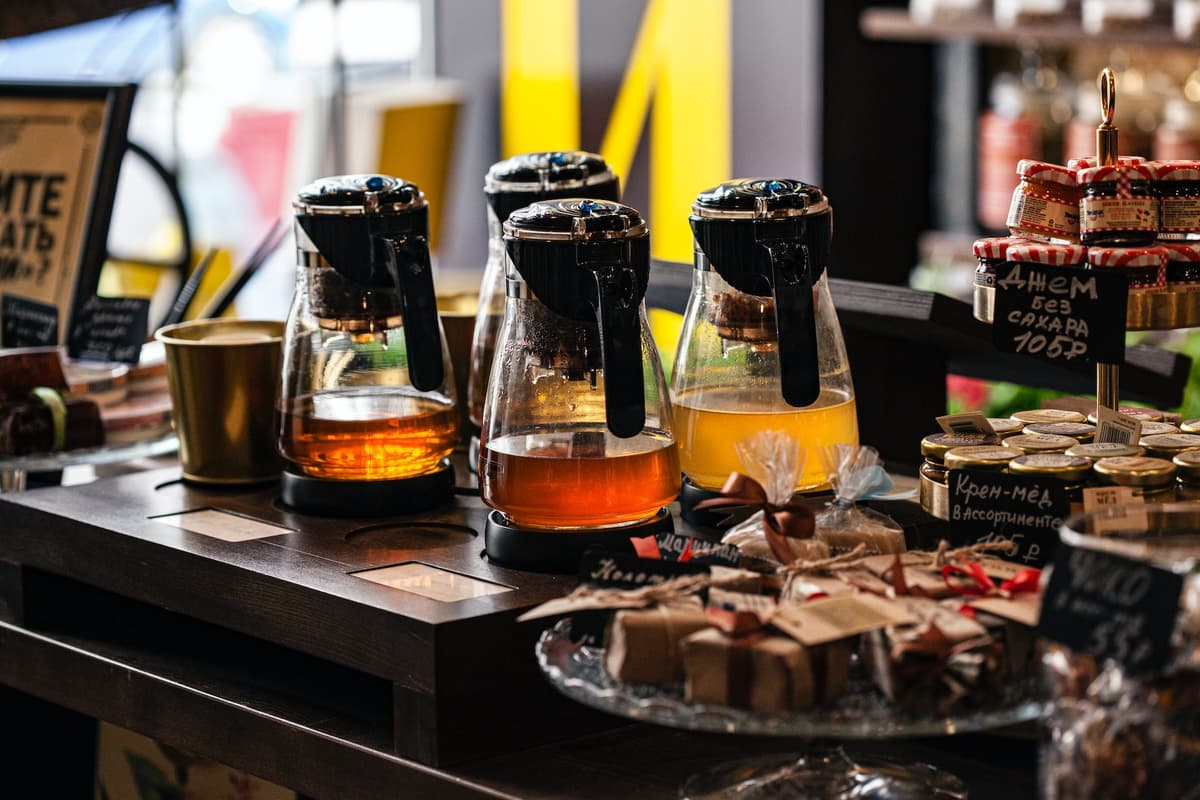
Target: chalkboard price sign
{"x":1061,"y":313}
{"x":996,"y":506}
{"x":27,"y":323}
{"x":1109,"y":606}
{"x":110,"y":329}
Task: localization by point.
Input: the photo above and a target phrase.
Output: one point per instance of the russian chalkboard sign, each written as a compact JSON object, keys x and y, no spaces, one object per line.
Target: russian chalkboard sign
{"x":1109,"y":606}
{"x":110,"y":329}
{"x":605,"y":569}
{"x":1061,"y":313}
{"x":996,"y":506}
{"x":27,"y":323}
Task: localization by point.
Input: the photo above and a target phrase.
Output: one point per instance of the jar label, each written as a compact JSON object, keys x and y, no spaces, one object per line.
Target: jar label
{"x":1119,"y":214}
{"x":1180,"y":214}
{"x":1043,"y":215}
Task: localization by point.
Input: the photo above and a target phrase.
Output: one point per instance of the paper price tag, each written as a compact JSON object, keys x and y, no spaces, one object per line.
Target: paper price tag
{"x":827,"y":620}
{"x":1112,"y":426}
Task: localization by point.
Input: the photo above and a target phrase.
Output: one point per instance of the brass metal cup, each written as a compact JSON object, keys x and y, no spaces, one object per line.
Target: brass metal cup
{"x":224,"y":375}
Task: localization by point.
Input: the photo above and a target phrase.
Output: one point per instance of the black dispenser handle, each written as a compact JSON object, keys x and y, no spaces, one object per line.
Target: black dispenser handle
{"x":616,"y":301}
{"x":408,"y":262}
{"x":796,"y":320}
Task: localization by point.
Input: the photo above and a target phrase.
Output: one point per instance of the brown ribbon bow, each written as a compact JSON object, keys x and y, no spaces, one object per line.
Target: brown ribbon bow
{"x":780,"y":521}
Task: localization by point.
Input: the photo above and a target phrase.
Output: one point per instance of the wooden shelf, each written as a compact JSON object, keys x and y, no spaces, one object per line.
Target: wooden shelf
{"x":895,"y":24}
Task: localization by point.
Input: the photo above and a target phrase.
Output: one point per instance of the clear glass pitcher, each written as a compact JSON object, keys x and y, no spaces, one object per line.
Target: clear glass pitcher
{"x":367,"y":390}
{"x":761,"y":347}
{"x":577,"y":425}
{"x":511,"y":184}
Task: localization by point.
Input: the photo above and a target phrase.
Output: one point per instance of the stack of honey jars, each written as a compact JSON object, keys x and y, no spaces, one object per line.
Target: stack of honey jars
{"x":1163,"y":466}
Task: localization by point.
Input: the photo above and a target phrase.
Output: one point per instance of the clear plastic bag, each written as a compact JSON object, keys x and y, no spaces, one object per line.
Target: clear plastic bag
{"x":857,"y":473}
{"x":774,"y":460}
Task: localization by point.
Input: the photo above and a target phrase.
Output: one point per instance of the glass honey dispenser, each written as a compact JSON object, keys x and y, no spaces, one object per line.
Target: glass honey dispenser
{"x":576,"y":447}
{"x":760,"y":346}
{"x":367,"y":407}
{"x":511,"y":184}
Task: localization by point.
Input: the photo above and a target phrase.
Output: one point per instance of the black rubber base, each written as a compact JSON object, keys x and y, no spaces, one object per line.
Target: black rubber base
{"x":689,"y":495}
{"x":323,"y":497}
{"x":561,"y":551}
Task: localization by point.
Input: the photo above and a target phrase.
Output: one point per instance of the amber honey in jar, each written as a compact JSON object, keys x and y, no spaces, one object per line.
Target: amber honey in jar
{"x":1118,"y":206}
{"x":1098,"y":450}
{"x":1169,"y":445}
{"x":1187,"y":472}
{"x":933,"y":472}
{"x":1158,"y":428}
{"x":1071,"y":470}
{"x":1153,"y":478}
{"x":1045,"y":204}
{"x":1038,"y":415}
{"x":1040,"y":443}
{"x":1137,"y":412}
{"x":1080,"y":431}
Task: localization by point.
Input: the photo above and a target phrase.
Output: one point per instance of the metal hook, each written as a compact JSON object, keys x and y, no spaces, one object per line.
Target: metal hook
{"x":1108,"y":95}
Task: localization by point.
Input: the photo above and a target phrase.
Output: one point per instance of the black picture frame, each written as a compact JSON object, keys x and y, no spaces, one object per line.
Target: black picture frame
{"x":116,"y":99}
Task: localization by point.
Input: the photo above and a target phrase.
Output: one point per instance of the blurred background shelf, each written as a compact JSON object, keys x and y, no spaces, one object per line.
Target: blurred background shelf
{"x":895,"y":24}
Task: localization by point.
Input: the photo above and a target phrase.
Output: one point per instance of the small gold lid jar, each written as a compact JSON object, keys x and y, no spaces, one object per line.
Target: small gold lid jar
{"x":987,"y":457}
{"x":1098,"y":450}
{"x":1040,"y":443}
{"x":1190,"y":426}
{"x":1048,"y":415}
{"x":1009,"y":426}
{"x":1080,"y":431}
{"x":1187,"y":464}
{"x":1069,"y":469}
{"x":1137,"y":412}
{"x":1169,"y":445}
{"x":1158,"y":428}
{"x":935,"y":446}
{"x":1142,"y":471}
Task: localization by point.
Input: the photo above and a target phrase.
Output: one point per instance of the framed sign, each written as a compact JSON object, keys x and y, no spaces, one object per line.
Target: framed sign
{"x":61,"y":147}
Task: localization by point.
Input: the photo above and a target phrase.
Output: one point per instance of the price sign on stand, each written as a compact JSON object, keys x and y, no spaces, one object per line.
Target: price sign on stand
{"x":998,"y":507}
{"x":1061,"y":313}
{"x":1111,"y":607}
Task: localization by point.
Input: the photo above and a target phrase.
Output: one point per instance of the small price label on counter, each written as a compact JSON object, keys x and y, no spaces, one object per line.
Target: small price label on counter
{"x":110,"y":329}
{"x":27,"y":323}
{"x":1109,"y":606}
{"x":1061,"y":313}
{"x":997,"y":507}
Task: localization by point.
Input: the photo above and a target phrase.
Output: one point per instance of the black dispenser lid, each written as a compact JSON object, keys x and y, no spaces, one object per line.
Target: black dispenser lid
{"x":374,"y":231}
{"x":344,"y":217}
{"x":518,"y":181}
{"x":770,"y":237}
{"x":589,"y":260}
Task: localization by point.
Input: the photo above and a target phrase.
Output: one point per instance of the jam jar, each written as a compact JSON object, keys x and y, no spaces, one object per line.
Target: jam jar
{"x":1045,"y":204}
{"x":1087,"y":162}
{"x":1183,"y":266}
{"x":1156,"y":428}
{"x":992,"y":253}
{"x":1118,"y":206}
{"x":1177,"y":184}
{"x":1070,"y":255}
{"x":1137,"y":412}
{"x":1144,"y":267}
{"x":1005,"y":426}
{"x":1190,"y":426}
{"x":1154,"y":477}
{"x":1071,"y":470}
